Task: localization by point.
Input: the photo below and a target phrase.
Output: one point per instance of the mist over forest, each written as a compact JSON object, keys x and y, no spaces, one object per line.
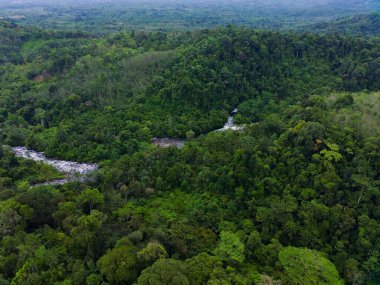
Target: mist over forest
{"x":116,"y":15}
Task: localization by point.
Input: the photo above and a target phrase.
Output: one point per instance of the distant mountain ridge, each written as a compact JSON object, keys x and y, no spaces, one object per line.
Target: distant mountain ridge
{"x":363,"y":25}
{"x":104,"y":17}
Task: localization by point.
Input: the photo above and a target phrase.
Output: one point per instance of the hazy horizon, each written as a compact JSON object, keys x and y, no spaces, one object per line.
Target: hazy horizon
{"x":116,"y":15}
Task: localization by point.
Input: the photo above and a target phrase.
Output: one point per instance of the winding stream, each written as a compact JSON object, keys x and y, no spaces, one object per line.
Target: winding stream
{"x":168,"y":142}
{"x":230,"y":123}
{"x":73,"y":171}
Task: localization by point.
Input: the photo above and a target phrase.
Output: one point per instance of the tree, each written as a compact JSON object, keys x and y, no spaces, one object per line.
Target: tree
{"x":66,"y":215}
{"x":190,"y":134}
{"x":91,"y":198}
{"x":13,"y":216}
{"x":200,"y":267}
{"x":227,"y":276}
{"x":164,"y":272}
{"x":118,"y":265}
{"x":3,"y":281}
{"x":40,"y":116}
{"x":305,"y":266}
{"x":9,"y":221}
{"x":365,"y":184}
{"x":267,"y":280}
{"x":372,"y":266}
{"x":230,"y":247}
{"x":87,"y":227}
{"x":151,"y":253}
{"x":43,"y":266}
{"x":94,"y":279}
{"x":44,"y":201}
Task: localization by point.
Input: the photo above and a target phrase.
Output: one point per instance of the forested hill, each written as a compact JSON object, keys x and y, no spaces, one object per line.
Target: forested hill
{"x":104,"y":17}
{"x":291,"y":199}
{"x":87,"y":98}
{"x":363,"y":25}
{"x":13,"y":37}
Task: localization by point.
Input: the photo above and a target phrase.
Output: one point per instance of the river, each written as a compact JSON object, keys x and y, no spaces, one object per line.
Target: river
{"x":168,"y":142}
{"x":73,"y":171}
{"x":230,"y":123}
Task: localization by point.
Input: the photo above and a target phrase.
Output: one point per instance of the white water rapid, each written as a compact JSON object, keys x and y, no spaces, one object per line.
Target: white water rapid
{"x":74,"y":171}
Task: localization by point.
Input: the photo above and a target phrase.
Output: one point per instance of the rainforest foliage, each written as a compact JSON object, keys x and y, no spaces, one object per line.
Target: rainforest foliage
{"x":362,"y":24}
{"x":291,"y":199}
{"x":94,"y":99}
{"x":104,"y":17}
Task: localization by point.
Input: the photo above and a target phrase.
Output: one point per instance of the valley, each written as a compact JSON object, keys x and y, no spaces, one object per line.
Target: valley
{"x":173,"y":143}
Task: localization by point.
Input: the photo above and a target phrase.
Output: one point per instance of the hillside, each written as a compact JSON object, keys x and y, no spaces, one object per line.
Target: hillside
{"x":86,"y":98}
{"x":10,"y":42}
{"x":362,"y":25}
{"x":291,"y":198}
{"x":104,"y":17}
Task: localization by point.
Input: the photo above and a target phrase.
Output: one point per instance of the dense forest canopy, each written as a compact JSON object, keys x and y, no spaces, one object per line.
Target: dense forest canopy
{"x":92,"y":99}
{"x":168,"y":15}
{"x":362,"y":24}
{"x":292,"y":197}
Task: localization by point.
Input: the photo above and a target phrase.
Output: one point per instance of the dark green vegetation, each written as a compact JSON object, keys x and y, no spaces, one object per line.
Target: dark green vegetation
{"x":20,"y":174}
{"x":168,"y":15}
{"x":93,"y":99}
{"x":292,"y":198}
{"x":363,"y":25}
